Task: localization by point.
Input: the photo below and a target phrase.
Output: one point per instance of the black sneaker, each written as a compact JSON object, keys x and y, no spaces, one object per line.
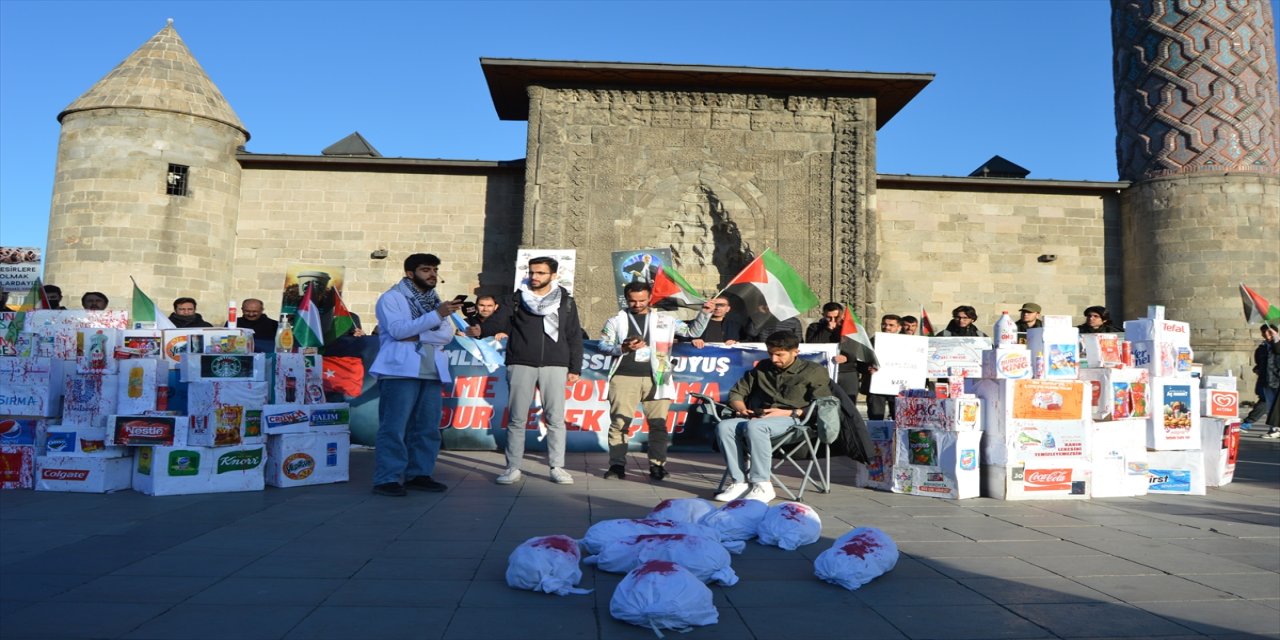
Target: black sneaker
{"x":658,"y":472}
{"x":616,"y":471}
{"x":394,"y":489}
{"x":425,"y":483}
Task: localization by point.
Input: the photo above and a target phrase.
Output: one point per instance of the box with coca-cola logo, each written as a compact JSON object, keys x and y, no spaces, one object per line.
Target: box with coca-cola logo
{"x":1118,"y":456}
{"x":1220,"y":440}
{"x":17,"y":466}
{"x":181,"y":470}
{"x":298,"y":378}
{"x":877,"y":473}
{"x":1176,"y":472}
{"x":936,"y":463}
{"x":299,"y":459}
{"x":83,"y":474}
{"x":147,"y":430}
{"x":1060,"y":480}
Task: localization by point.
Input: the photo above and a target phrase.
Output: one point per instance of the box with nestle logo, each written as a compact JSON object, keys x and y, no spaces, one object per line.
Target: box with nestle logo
{"x":83,"y":474}
{"x":145,"y":431}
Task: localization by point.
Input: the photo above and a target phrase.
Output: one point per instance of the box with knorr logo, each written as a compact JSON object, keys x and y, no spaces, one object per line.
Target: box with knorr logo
{"x":164,"y":471}
{"x":83,"y":474}
{"x":298,"y":459}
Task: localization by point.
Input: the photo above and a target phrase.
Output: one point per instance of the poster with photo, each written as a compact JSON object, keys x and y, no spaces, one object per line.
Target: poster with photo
{"x":567,"y":267}
{"x":327,"y":286}
{"x":639,"y":265}
{"x":19,"y":268}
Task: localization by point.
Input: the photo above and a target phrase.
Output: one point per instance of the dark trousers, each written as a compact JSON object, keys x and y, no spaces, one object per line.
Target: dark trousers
{"x":876,"y":405}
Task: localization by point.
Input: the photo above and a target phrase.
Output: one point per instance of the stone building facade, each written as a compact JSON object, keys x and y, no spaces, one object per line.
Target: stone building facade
{"x":716,"y":163}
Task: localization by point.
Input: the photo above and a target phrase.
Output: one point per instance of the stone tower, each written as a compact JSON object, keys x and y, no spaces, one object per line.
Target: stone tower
{"x":1197,"y":134}
{"x":147,"y":183}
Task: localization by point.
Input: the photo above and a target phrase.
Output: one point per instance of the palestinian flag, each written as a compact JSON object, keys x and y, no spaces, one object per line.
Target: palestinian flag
{"x":144,"y":309}
{"x":36,"y":298}
{"x":1256,"y":308}
{"x":308,"y":331}
{"x":770,"y":287}
{"x":342,"y":321}
{"x":925,"y":328}
{"x":669,"y":286}
{"x":853,"y":331}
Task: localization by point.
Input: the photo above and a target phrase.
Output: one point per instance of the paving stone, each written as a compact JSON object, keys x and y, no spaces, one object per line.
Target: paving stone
{"x":1264,"y":561}
{"x":783,"y":593}
{"x":1034,"y":590}
{"x":187,"y":564}
{"x":1244,"y":585}
{"x":382,"y":622}
{"x":494,"y":593}
{"x":1086,"y":620}
{"x":38,"y":586}
{"x":979,"y":622}
{"x":986,"y":567}
{"x":267,"y":591}
{"x":1029,"y":550}
{"x":92,"y":555}
{"x":90,"y":619}
{"x":398,"y":593}
{"x":288,"y":565}
{"x":1215,"y":618}
{"x":1152,"y":588}
{"x":818,"y":622}
{"x":496,"y":623}
{"x":890,"y":590}
{"x":138,"y":589}
{"x":948,"y":549}
{"x":986,"y":531}
{"x":415,"y":568}
{"x":1097,"y":565}
{"x":218,"y":622}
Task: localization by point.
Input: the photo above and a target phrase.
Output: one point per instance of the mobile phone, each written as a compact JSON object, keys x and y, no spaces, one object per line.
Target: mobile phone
{"x":460,"y":298}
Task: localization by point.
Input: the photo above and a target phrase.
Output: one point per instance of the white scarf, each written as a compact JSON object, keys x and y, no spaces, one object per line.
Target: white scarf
{"x":547,"y":306}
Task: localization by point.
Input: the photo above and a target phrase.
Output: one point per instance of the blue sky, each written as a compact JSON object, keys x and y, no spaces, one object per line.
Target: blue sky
{"x":1029,"y":80}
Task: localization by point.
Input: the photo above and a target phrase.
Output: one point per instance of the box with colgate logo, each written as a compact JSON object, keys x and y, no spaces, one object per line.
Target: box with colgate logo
{"x":1059,"y":480}
{"x":83,"y":474}
{"x":145,"y":430}
{"x":80,"y":441}
{"x":936,"y":463}
{"x":17,"y":466}
{"x":181,"y":470}
{"x":1118,"y":455}
{"x":299,"y":459}
{"x":1176,"y":472}
{"x":1220,"y":439}
{"x":1220,"y":403}
{"x":878,"y":472}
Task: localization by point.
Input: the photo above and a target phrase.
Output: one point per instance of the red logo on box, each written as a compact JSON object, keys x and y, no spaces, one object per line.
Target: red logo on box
{"x":72,"y":475}
{"x":1048,"y":479}
{"x":1223,"y":404}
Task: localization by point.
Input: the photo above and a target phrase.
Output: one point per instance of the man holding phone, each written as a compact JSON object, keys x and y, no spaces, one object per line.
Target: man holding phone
{"x":411,"y":367}
{"x":641,"y":374}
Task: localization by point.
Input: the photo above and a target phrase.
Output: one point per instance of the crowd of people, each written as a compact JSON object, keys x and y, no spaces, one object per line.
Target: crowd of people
{"x":544,"y":347}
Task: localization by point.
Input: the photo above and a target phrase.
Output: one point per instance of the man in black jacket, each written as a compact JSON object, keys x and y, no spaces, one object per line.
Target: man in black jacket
{"x":544,"y":352}
{"x":827,"y":330}
{"x":184,"y":315}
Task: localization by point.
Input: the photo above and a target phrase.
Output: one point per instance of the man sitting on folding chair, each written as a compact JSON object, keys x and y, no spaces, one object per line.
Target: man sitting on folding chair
{"x":766,"y":402}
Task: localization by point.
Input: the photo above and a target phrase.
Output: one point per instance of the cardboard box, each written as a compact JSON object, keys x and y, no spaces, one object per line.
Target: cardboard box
{"x":55,"y":332}
{"x":17,"y":466}
{"x":1118,"y":394}
{"x":1227,"y":383}
{"x":167,"y":471}
{"x":88,"y":398}
{"x":286,"y":418}
{"x":298,"y":459}
{"x":1059,"y":349}
{"x":96,"y":350}
{"x":330,"y":416}
{"x":1118,"y":457}
{"x":61,"y":440}
{"x":1177,"y":334}
{"x":1008,"y":361}
{"x":1176,"y":472}
{"x":1005,"y":400}
{"x":83,"y":474}
{"x":1220,"y":403}
{"x":1175,"y":420}
{"x":226,"y":413}
{"x":878,"y":473}
{"x":141,"y":343}
{"x":136,"y":385}
{"x":178,"y":342}
{"x":947,"y":414}
{"x":940,"y":464}
{"x":1061,"y":481}
{"x":228,"y":341}
{"x":30,"y":387}
{"x":1101,"y":350}
{"x":10,"y":329}
{"x":15,"y":430}
{"x":145,"y":431}
{"x":1221,"y":447}
{"x":298,"y":379}
{"x":1043,"y":442}
{"x":223,"y":367}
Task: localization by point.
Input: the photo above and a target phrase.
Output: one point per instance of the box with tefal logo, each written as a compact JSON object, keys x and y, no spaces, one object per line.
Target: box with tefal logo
{"x":83,"y":474}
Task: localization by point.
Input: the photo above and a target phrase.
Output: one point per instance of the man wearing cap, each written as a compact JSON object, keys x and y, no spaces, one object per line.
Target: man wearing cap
{"x":1030,"y":319}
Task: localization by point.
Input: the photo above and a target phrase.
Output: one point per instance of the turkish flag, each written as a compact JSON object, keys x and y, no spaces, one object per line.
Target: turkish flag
{"x":344,"y":374}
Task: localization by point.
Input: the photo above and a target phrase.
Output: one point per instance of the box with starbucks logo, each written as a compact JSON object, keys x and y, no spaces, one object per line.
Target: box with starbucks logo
{"x":223,"y":367}
{"x":298,"y":459}
{"x":167,"y":471}
{"x":83,"y":474}
{"x":932,"y":462}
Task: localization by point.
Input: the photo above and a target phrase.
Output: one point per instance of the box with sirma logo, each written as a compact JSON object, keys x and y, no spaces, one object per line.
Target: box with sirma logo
{"x":167,"y":471}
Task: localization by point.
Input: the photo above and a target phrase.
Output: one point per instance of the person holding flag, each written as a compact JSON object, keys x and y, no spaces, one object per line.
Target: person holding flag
{"x":773,"y":295}
{"x":839,"y":325}
{"x":411,"y":368}
{"x":640,"y":338}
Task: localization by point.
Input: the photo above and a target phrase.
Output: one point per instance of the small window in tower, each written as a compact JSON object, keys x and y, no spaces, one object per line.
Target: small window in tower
{"x":176,"y":180}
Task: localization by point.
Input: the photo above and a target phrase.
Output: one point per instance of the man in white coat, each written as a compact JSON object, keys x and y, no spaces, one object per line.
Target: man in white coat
{"x":413,"y":328}
{"x":640,"y":338}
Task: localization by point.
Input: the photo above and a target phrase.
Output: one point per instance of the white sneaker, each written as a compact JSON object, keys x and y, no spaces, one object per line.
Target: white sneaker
{"x":733,"y":492}
{"x":1270,"y":435}
{"x":762,"y":491}
{"x":511,"y":476}
{"x":560,"y":476}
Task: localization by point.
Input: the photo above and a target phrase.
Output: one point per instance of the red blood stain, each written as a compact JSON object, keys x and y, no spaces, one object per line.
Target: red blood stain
{"x":860,"y":545}
{"x":658,"y":537}
{"x":661,"y":567}
{"x":654,"y":522}
{"x":665,"y":504}
{"x":734,"y":504}
{"x":793,"y":511}
{"x":563,"y":544}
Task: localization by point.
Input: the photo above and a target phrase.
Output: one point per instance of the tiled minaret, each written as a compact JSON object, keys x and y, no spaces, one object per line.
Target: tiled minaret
{"x":113,"y":215}
{"x":1197,"y":134}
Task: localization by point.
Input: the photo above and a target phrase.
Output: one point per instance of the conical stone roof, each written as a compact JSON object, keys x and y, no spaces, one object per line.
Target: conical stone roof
{"x":161,"y":75}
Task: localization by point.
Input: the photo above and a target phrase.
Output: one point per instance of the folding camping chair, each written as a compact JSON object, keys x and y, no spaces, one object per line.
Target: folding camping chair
{"x":811,"y":436}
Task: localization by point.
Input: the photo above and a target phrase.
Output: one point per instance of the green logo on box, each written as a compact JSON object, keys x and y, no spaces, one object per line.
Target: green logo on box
{"x":183,"y":462}
{"x":239,"y":460}
{"x":252,"y":423}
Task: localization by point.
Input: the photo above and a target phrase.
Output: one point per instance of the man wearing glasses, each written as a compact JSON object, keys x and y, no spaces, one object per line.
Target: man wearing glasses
{"x":723,"y":327}
{"x":961,"y":325}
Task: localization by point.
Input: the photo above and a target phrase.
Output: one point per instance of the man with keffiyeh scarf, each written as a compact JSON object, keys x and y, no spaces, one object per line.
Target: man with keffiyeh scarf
{"x":413,"y":328}
{"x":544,"y":353}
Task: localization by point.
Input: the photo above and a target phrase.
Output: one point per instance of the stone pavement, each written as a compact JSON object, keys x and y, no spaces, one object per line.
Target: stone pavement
{"x":335,"y":561}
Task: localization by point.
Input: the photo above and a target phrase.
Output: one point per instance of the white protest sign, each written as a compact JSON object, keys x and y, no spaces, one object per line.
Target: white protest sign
{"x":904,"y":363}
{"x":947,"y":354}
{"x":19,"y":268}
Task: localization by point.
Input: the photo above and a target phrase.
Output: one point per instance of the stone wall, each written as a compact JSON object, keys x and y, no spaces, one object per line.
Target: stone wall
{"x":110,"y":217}
{"x":328,"y":215}
{"x":953,"y":241}
{"x":717,"y":177}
